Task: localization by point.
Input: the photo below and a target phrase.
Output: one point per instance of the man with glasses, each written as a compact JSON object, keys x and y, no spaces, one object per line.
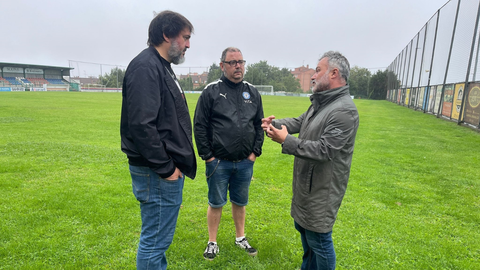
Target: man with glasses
{"x":229,"y":137}
{"x":156,"y":134}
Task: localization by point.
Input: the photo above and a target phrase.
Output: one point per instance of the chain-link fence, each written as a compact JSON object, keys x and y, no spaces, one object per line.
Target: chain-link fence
{"x":438,"y":71}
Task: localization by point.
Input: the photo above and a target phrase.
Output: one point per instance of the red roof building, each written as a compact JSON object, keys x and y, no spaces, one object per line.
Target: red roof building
{"x":304,"y":75}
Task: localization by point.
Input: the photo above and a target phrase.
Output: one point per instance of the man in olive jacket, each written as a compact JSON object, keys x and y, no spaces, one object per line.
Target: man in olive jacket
{"x":323,"y":155}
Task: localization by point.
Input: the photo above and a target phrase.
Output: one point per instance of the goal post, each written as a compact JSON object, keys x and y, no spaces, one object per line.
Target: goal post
{"x":265,"y":88}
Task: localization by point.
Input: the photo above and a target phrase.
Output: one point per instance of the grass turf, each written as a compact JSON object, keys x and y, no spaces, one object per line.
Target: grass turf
{"x":413,"y":200}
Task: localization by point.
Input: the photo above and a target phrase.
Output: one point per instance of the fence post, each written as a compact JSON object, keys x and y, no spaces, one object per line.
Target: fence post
{"x":415,"y":61}
{"x":433,"y":56}
{"x":408,"y":73}
{"x":448,"y":61}
{"x":465,"y":93}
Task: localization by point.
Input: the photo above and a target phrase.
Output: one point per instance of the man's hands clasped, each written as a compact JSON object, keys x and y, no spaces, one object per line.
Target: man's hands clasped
{"x":277,"y":135}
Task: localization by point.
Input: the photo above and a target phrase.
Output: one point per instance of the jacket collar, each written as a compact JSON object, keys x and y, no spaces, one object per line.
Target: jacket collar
{"x":230,"y":83}
{"x":322,"y":98}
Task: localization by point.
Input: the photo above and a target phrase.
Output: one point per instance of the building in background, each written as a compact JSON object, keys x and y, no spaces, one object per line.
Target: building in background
{"x":86,"y":81}
{"x":304,"y":75}
{"x":197,"y":79}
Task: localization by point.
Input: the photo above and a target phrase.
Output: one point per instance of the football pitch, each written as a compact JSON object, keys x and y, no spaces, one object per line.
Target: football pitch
{"x":66,"y":202}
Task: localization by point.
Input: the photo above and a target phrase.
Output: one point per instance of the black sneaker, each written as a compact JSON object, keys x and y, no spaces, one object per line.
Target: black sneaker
{"x":243,"y":244}
{"x":211,"y":251}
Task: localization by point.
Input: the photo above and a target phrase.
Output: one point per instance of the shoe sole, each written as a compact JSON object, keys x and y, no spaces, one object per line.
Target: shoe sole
{"x":208,"y":259}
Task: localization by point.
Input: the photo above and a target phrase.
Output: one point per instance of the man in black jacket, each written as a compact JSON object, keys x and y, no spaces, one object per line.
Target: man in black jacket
{"x":156,"y":135}
{"x":229,"y":137}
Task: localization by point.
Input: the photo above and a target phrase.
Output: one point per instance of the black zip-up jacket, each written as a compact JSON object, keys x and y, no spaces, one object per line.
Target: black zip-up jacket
{"x":228,"y":119}
{"x":155,"y":128}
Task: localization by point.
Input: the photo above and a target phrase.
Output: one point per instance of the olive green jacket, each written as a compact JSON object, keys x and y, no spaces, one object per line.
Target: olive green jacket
{"x":323,"y":155}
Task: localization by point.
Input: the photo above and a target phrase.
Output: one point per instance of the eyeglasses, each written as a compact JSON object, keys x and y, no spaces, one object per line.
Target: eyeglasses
{"x":234,"y":63}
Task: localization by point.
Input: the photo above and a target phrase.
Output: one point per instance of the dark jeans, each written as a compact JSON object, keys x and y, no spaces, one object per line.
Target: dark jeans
{"x":318,"y":251}
{"x":160,"y":201}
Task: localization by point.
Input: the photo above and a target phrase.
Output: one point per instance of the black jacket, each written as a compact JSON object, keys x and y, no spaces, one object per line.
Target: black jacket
{"x":155,"y":128}
{"x":228,"y":120}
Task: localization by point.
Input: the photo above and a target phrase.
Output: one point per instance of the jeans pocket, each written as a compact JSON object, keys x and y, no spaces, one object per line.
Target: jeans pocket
{"x":140,"y":186}
{"x":211,"y":167}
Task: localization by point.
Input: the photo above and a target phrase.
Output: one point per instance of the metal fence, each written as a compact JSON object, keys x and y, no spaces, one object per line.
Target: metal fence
{"x":438,"y":71}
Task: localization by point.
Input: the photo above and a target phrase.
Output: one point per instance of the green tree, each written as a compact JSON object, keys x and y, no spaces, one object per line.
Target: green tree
{"x":359,"y":81}
{"x":214,"y":73}
{"x":200,"y":87}
{"x":186,"y":84}
{"x":114,"y":79}
{"x":378,"y":85}
{"x":263,"y":74}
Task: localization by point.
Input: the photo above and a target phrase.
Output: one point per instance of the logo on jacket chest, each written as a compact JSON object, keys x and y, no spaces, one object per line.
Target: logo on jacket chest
{"x":246,"y":97}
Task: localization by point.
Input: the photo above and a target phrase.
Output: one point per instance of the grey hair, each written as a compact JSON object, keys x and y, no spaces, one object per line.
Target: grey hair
{"x":337,"y":60}
{"x":229,"y":49}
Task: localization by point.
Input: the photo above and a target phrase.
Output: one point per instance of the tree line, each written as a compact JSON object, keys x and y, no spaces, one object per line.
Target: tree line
{"x":363,"y":84}
{"x":260,"y":73}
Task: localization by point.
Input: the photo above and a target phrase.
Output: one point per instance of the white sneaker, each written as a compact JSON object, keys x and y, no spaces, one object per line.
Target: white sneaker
{"x":243,"y":244}
{"x":211,"y":251}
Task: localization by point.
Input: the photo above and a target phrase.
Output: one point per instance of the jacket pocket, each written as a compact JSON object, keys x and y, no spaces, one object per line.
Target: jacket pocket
{"x":310,"y":178}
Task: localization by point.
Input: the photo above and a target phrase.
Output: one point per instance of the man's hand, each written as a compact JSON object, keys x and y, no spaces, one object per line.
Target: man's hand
{"x":266,"y":122}
{"x":210,"y":159}
{"x":277,"y":135}
{"x":176,"y":174}
{"x":252,"y":157}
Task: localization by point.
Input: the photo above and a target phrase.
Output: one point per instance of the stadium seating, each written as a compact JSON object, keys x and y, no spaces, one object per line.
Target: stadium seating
{"x":3,"y":81}
{"x":23,"y":80}
{"x":12,"y":81}
{"x":38,"y":81}
{"x":55,"y":81}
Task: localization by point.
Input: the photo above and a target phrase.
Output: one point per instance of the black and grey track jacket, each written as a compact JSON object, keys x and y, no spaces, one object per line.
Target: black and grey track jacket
{"x":228,"y":119}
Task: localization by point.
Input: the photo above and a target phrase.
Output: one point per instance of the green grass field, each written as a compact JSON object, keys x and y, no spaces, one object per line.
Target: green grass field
{"x":413,"y":200}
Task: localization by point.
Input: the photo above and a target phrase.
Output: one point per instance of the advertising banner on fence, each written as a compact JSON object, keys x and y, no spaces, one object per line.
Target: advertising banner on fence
{"x":472,"y":104}
{"x":38,"y":89}
{"x":407,"y":97}
{"x":431,"y":100}
{"x":438,"y":97}
{"x":420,"y":97}
{"x":457,"y":100}
{"x":399,"y":95}
{"x":18,"y":88}
{"x":447,"y":100}
{"x":413,"y":97}
{"x":5,"y":89}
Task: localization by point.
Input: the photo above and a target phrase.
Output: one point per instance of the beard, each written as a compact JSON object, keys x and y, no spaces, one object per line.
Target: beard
{"x":322,"y":85}
{"x":175,"y":53}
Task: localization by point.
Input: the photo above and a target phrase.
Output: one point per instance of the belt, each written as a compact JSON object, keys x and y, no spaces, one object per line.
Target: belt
{"x":231,"y":160}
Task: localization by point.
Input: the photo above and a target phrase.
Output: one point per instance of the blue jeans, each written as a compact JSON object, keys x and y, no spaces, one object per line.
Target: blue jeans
{"x":234,"y":176}
{"x":160,"y":202}
{"x":318,"y":251}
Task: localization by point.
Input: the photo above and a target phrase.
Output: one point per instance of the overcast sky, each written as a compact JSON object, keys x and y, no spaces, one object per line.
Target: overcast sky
{"x":289,"y":34}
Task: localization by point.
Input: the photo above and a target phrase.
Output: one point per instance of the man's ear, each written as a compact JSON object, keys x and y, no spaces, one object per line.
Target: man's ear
{"x":221,"y":65}
{"x":166,"y":38}
{"x":335,"y":73}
